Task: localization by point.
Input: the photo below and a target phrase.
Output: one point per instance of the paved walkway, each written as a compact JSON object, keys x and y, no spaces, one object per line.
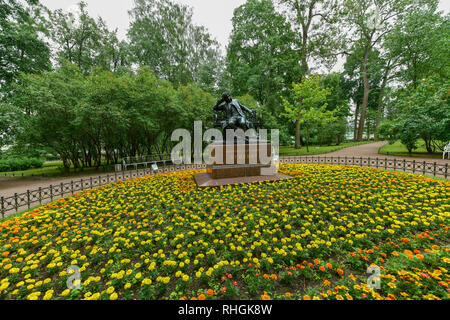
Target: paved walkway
{"x":371,"y":150}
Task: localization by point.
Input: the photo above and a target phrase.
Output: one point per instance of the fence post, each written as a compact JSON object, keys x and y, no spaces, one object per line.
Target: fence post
{"x":40,"y":195}
{"x":71,"y":186}
{"x":62,"y":190}
{"x":424,"y":167}
{"x":446,"y":171}
{"x":3,"y":207}
{"x":385,"y":163}
{"x":434,"y":170}
{"x":376,"y":162}
{"x":16,"y":204}
{"x":404,"y":165}
{"x":369,"y":162}
{"x":395,"y":164}
{"x":414,"y":166}
{"x":91,"y":182}
{"x":51,"y":192}
{"x":28,"y":199}
{"x":82,"y":184}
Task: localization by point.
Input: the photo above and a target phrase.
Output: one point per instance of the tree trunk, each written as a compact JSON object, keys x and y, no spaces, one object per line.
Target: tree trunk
{"x":362,"y":120}
{"x":355,"y":128}
{"x":380,"y":100}
{"x":298,"y":143}
{"x":304,"y":61}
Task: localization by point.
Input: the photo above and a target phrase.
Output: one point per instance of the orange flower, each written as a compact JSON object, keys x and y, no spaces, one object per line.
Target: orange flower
{"x":273,"y":277}
{"x":340,"y":271}
{"x":5,"y":254}
{"x":201,"y":297}
{"x":408,"y":253}
{"x":326,"y":282}
{"x":322,"y":268}
{"x":419,"y":256}
{"x":265,"y":296}
{"x":288,"y":294}
{"x":306,"y":297}
{"x":395,"y":253}
{"x":210,"y":292}
{"x":316,"y":261}
{"x":329,"y":266}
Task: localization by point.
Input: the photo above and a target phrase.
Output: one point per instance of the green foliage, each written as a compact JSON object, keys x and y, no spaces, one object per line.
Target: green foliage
{"x":22,"y":48}
{"x":15,"y":164}
{"x":309,"y":107}
{"x":164,"y":37}
{"x":262,"y":57}
{"x":424,"y":113}
{"x":332,"y":133}
{"x":86,"y":42}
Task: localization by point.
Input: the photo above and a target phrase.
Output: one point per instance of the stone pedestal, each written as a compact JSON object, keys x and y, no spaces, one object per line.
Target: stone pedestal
{"x":239,"y":163}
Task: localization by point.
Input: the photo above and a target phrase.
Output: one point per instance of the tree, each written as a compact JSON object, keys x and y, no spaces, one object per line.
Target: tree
{"x":262,"y":58}
{"x":420,"y":44}
{"x":164,"y":37}
{"x":317,"y":34}
{"x":22,"y":48}
{"x":425,"y":113}
{"x":369,"y":21}
{"x":9,"y":123}
{"x":313,"y":109}
{"x":86,"y":42}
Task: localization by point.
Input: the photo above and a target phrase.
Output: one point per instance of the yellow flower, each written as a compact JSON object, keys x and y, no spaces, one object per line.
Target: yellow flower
{"x":110,"y":290}
{"x":65,"y":293}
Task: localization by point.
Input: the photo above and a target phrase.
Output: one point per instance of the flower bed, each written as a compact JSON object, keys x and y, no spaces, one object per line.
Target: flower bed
{"x":160,"y":237}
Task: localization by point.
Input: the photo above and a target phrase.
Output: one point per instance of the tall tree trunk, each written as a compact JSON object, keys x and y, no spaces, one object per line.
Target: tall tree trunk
{"x":304,"y":62}
{"x":380,"y":100}
{"x":362,"y":120}
{"x":355,"y":128}
{"x":298,"y":143}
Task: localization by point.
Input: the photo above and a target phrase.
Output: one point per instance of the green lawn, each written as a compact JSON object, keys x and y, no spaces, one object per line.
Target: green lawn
{"x":313,"y":150}
{"x":398,"y":149}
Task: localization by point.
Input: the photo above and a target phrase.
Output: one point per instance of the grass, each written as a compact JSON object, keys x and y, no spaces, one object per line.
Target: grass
{"x":313,"y":150}
{"x":398,"y":149}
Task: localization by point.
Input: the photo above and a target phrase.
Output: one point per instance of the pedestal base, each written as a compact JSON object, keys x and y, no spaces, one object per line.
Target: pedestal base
{"x":204,"y":180}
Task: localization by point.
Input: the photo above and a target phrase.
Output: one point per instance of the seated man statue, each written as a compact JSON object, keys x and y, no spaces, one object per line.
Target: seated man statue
{"x":235,"y":116}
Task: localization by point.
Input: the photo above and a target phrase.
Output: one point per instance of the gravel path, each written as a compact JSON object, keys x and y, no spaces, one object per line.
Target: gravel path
{"x":371,"y":150}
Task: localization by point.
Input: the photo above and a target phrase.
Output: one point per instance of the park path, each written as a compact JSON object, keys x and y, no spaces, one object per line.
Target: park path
{"x":370,"y":150}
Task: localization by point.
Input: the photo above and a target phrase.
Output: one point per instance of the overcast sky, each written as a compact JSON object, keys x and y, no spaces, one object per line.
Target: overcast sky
{"x":214,"y":14}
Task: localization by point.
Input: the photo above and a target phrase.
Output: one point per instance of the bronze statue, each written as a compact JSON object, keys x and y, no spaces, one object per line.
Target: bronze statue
{"x":235,"y":115}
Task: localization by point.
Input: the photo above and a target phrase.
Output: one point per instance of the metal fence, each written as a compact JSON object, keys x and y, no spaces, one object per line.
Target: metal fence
{"x":23,"y":201}
{"x":412,"y":166}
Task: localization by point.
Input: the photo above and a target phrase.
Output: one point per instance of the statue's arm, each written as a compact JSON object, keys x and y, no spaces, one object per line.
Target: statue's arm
{"x":219,"y":106}
{"x":244,"y":108}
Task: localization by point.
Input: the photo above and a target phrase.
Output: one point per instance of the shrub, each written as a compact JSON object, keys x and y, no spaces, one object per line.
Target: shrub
{"x":18,"y":164}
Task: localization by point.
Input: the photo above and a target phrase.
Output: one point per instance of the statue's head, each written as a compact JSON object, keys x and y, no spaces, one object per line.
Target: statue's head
{"x":226,"y":97}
